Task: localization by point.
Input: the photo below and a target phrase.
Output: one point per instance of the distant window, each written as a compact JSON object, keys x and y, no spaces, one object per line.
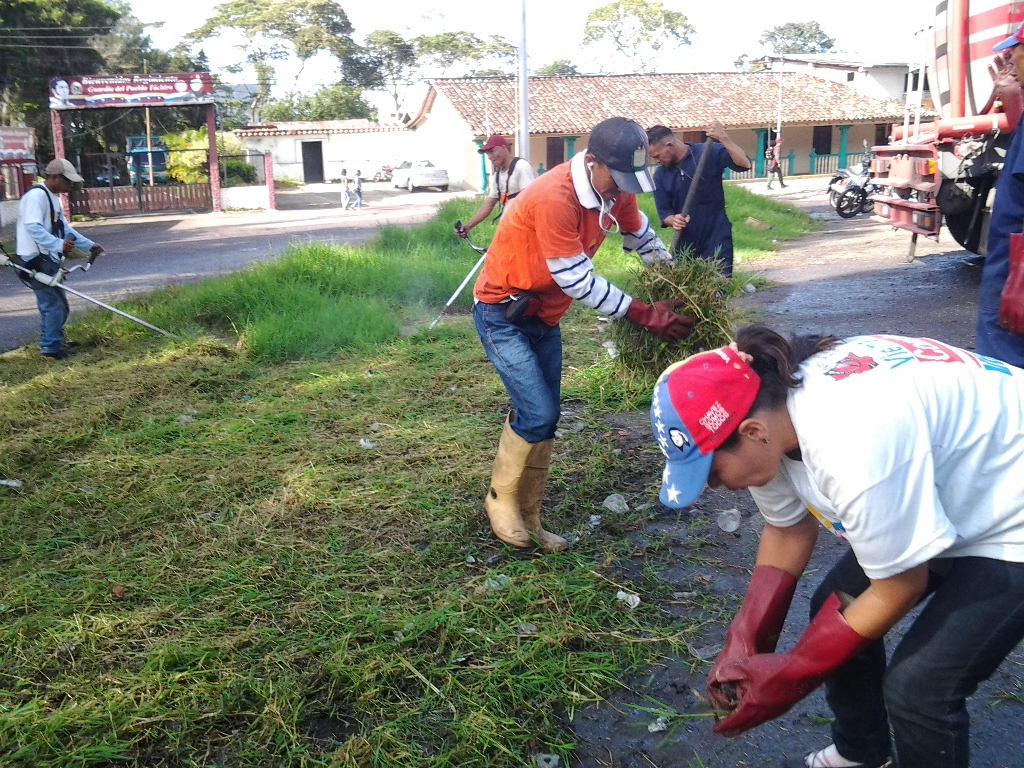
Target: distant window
{"x":694,"y":137}
{"x":822,"y":139}
{"x":849,"y":77}
{"x":882,"y":134}
{"x":406,"y":164}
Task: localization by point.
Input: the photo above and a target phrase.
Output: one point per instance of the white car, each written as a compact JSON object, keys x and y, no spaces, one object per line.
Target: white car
{"x":413,"y":174}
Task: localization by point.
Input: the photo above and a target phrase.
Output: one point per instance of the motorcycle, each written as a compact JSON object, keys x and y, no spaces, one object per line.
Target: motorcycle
{"x":384,"y":174}
{"x":856,"y":198}
{"x":844,"y":177}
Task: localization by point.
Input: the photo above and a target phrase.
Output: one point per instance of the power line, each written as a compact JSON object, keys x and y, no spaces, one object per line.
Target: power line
{"x":65,"y":26}
{"x":57,"y":47}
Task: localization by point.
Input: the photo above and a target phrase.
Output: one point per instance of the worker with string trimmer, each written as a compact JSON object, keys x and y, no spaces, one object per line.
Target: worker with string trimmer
{"x":688,"y":190}
{"x":44,"y":239}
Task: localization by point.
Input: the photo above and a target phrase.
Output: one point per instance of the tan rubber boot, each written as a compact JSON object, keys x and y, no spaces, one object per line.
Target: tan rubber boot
{"x":531,"y":494}
{"x":502,"y":502}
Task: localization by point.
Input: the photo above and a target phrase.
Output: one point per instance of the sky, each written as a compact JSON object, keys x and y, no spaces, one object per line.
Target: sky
{"x":724,"y":30}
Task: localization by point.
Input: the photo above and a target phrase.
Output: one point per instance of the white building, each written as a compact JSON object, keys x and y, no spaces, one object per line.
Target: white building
{"x":315,"y":152}
{"x":877,"y":80}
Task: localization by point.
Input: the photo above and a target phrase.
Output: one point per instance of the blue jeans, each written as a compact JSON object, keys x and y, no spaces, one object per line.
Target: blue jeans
{"x":993,"y":341}
{"x":345,"y":199}
{"x":359,"y":199}
{"x":528,"y":358}
{"x":53,"y":313}
{"x":974,"y":619}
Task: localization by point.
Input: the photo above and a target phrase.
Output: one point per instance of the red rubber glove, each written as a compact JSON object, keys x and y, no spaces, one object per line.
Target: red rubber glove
{"x":661,"y":319}
{"x":769,"y":684}
{"x":1011,"y":304}
{"x":1006,"y":89}
{"x":756,"y":627}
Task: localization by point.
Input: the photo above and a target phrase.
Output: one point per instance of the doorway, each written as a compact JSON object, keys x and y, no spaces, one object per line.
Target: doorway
{"x":313,"y":162}
{"x":556,"y":151}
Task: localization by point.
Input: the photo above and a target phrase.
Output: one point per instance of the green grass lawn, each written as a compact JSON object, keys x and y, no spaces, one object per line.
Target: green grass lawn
{"x":204,"y":567}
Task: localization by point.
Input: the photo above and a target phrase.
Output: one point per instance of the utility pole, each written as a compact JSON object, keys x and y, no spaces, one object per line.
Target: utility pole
{"x":778,"y":116}
{"x":149,"y":138}
{"x":524,"y":97}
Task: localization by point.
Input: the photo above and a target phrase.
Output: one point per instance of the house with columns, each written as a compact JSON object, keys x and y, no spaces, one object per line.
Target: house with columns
{"x":825,"y":124}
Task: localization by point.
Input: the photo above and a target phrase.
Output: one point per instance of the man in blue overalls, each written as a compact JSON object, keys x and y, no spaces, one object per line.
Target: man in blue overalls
{"x":706,"y":230}
{"x":1001,"y":299}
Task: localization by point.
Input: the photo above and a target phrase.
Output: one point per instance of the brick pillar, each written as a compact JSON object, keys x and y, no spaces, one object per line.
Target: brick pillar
{"x":57,"y":126}
{"x":211,"y":132}
{"x":268,"y":173}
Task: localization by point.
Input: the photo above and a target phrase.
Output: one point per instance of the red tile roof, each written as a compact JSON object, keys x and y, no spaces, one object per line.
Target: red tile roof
{"x":574,"y":104}
{"x":316,"y":127}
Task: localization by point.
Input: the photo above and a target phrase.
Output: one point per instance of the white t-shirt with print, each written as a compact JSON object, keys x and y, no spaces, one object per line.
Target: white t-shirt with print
{"x":910,"y":450}
{"x":520,"y":179}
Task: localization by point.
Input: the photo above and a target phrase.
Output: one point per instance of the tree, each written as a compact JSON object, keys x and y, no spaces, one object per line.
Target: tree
{"x":447,"y":49}
{"x":41,"y":40}
{"x":334,"y":102}
{"x":557,"y":68}
{"x":393,"y":59}
{"x":797,"y":37}
{"x":275,"y":29}
{"x":637,"y":29}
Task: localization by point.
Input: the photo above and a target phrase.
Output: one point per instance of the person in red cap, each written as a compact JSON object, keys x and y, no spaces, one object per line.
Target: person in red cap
{"x":1000,"y":329}
{"x":911,"y":451}
{"x":538,"y":263}
{"x":509,"y":176}
{"x":774,"y":154}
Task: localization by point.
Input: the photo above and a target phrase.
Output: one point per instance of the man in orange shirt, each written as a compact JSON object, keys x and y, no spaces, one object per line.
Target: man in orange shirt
{"x":537,"y":263}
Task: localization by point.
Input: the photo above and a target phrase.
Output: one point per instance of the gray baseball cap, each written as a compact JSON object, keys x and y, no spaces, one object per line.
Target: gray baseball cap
{"x":63,"y":168}
{"x":621,"y":145}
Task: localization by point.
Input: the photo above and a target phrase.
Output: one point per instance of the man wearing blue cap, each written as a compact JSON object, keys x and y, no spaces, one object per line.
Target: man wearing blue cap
{"x":1000,"y":331}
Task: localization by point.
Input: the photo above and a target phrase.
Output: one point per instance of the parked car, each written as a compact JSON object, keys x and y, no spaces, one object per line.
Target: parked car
{"x":414,"y":174}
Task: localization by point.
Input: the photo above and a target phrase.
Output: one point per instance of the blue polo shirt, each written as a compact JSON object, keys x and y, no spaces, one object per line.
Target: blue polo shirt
{"x":1007,"y":218}
{"x":709,"y":228}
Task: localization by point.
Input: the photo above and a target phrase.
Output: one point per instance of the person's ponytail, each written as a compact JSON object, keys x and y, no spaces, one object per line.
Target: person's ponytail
{"x":777,"y":360}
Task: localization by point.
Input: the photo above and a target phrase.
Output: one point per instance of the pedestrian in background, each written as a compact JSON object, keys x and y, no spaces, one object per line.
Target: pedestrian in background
{"x":44,"y":238}
{"x":774,"y":155}
{"x":346,"y":195}
{"x":357,"y":189}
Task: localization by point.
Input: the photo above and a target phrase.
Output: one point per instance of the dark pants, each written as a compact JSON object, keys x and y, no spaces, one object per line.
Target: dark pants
{"x":974,"y":619}
{"x":528,"y":358}
{"x":773,"y":171}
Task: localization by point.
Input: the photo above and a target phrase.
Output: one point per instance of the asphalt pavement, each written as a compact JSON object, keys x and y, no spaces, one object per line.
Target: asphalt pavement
{"x":148,"y":252}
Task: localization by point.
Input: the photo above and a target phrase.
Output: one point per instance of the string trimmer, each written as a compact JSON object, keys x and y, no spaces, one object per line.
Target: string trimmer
{"x":483,"y":255}
{"x":57,"y":281}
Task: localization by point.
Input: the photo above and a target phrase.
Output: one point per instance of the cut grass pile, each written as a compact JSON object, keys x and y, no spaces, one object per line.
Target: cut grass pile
{"x":705,"y":294}
{"x":205,"y":566}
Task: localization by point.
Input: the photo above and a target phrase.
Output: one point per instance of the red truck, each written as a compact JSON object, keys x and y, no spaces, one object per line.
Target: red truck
{"x":946,"y":170}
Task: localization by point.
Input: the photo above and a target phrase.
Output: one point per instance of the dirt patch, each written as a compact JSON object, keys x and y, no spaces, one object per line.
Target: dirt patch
{"x":850,"y":278}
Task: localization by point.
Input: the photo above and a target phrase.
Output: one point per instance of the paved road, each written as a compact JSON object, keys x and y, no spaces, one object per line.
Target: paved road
{"x":147,"y":252}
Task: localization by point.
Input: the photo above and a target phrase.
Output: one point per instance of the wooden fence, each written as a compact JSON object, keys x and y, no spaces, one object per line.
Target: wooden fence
{"x":166,"y":197}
